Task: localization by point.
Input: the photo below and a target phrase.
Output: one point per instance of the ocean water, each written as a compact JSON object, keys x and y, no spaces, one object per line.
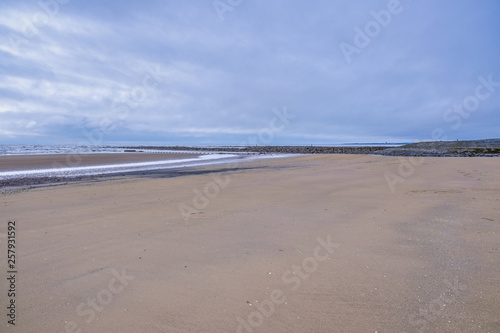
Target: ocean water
{"x":34,"y":149}
{"x":76,"y":171}
{"x":205,"y":158}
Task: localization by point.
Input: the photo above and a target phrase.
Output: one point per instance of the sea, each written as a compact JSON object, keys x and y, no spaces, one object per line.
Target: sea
{"x":34,"y":149}
{"x":62,"y":171}
{"x":65,"y":171}
{"x":37,"y":149}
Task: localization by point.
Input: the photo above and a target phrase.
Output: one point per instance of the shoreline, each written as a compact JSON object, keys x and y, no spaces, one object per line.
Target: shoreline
{"x":69,"y":165}
{"x":35,"y":162}
{"x":27,"y":171}
{"x":45,"y":161}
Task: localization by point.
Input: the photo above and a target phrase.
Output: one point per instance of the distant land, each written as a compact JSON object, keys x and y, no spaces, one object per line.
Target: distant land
{"x":470,"y":148}
{"x":489,"y":147}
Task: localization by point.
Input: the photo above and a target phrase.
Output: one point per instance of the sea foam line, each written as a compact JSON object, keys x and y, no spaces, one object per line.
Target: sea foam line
{"x":114,"y":168}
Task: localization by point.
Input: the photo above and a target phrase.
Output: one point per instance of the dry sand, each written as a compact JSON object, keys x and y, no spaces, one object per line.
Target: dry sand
{"x":424,"y":258}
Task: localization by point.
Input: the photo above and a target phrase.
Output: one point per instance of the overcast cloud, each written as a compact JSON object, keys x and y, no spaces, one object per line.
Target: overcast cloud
{"x":205,"y":72}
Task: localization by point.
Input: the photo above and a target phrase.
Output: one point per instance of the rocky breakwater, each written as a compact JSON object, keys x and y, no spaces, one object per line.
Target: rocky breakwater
{"x":484,"y":148}
{"x":271,"y":149}
{"x":472,"y":148}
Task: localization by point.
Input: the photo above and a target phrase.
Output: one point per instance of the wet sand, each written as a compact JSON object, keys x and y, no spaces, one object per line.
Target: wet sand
{"x":31,"y":162}
{"x":118,"y":256}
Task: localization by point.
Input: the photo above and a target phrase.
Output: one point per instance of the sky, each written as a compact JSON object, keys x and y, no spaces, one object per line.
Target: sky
{"x":237,"y":72}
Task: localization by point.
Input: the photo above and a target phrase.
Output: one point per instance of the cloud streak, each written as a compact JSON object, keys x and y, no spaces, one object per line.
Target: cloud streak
{"x":220,"y":79}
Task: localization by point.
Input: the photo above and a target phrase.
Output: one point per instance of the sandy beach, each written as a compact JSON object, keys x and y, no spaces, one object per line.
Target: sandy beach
{"x":305,"y":244}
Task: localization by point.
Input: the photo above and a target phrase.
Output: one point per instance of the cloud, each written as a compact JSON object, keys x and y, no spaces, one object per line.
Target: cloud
{"x":169,"y":71}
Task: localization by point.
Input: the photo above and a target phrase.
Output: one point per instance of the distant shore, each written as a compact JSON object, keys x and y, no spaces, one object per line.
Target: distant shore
{"x":472,"y":148}
{"x":269,"y":149}
{"x":138,"y":154}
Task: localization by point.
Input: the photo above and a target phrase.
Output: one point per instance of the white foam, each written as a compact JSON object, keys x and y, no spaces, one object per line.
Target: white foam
{"x":119,"y":168}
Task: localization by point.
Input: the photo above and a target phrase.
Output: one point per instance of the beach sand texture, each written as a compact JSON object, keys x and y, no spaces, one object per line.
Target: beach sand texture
{"x":118,"y":256}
